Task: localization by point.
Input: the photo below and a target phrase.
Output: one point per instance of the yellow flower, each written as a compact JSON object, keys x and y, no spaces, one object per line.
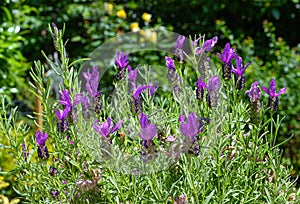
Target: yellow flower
{"x":108,"y":7}
{"x":5,"y":200}
{"x":3,"y":184}
{"x":121,"y":14}
{"x":134,"y":27}
{"x":149,"y":35}
{"x":146,"y":17}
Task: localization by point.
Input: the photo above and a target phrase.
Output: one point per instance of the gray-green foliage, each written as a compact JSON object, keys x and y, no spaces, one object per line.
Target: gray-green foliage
{"x":239,"y":161}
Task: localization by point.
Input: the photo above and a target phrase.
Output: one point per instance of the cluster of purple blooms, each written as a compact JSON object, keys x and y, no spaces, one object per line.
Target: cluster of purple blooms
{"x":190,"y":126}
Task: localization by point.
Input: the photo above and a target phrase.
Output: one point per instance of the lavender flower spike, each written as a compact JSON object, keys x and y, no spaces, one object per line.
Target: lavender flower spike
{"x":148,"y":130}
{"x":152,"y":89}
{"x":239,"y":72}
{"x":226,"y":57}
{"x":191,"y":126}
{"x":273,"y":100}
{"x":106,"y":128}
{"x":213,"y":84}
{"x":132,"y":73}
{"x":179,"y":42}
{"x":63,"y":124}
{"x":200,"y":88}
{"x":122,"y":63}
{"x":42,"y":148}
{"x":212,"y":96}
{"x":136,"y":103}
{"x":254,"y":93}
{"x":41,"y":138}
{"x":92,"y":82}
{"x":121,"y":60}
{"x":178,"y":47}
{"x":207,"y":45}
{"x":170,"y":63}
{"x":62,"y":114}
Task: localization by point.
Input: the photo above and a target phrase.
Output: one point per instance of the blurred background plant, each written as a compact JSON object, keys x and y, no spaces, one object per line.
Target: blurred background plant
{"x":263,"y":32}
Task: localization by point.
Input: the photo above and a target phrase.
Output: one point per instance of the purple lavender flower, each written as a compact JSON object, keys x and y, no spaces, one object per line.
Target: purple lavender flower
{"x":190,"y":127}
{"x":148,"y":130}
{"x":170,"y":63}
{"x":53,"y":171}
{"x":226,"y":57}
{"x":173,"y":77}
{"x":62,"y":114}
{"x":106,"y":128}
{"x":132,"y":73}
{"x":147,"y":135}
{"x":200,"y":89}
{"x":180,"y":41}
{"x":41,"y":141}
{"x":273,"y":100}
{"x":212,"y":96}
{"x":92,"y":82}
{"x":121,"y":62}
{"x":136,"y":103}
{"x":85,"y":107}
{"x":239,"y":72}
{"x":207,"y":45}
{"x":41,"y":138}
{"x":63,"y":124}
{"x":65,"y":100}
{"x":254,"y":93}
{"x":24,"y":151}
{"x":54,"y":193}
{"x":152,"y":89}
{"x":178,"y":48}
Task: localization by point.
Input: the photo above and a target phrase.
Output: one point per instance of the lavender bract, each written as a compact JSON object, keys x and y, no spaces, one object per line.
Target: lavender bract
{"x":121,"y":62}
{"x":190,"y":127}
{"x":136,"y":103}
{"x":92,"y":82}
{"x":63,"y":124}
{"x":148,"y":130}
{"x":152,"y":88}
{"x":178,"y":47}
{"x":200,"y":89}
{"x":226,"y":57}
{"x":273,"y":99}
{"x":239,"y":73}
{"x":207,"y":45}
{"x":41,"y":141}
{"x":212,"y":96}
{"x":254,"y":93}
{"x":147,"y":135}
{"x":106,"y":128}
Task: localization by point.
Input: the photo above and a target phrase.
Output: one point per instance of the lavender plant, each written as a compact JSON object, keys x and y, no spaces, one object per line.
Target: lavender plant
{"x":140,"y":146}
